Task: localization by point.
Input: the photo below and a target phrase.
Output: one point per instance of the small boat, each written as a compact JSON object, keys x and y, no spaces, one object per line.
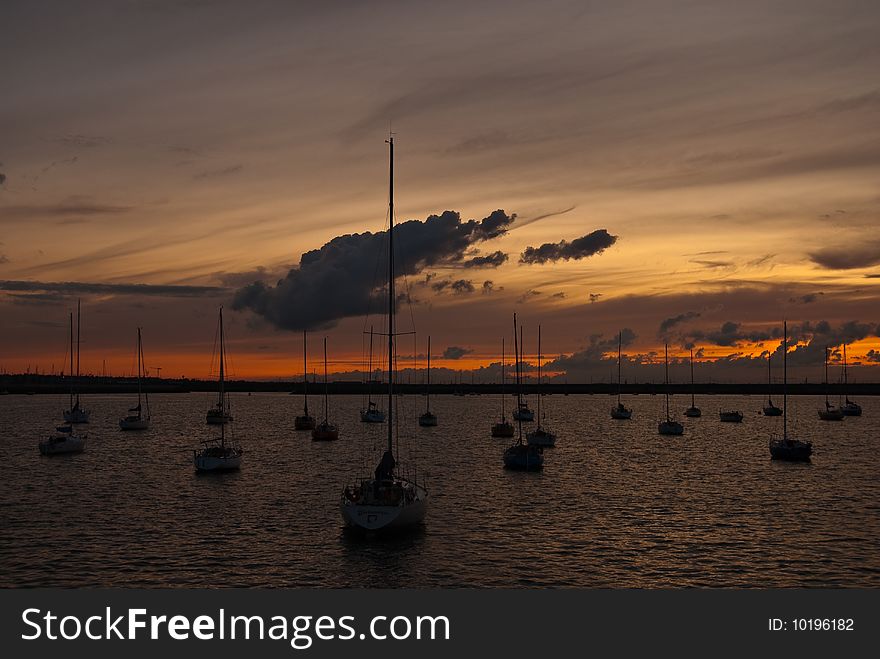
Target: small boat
{"x":787,"y":448}
{"x":830,"y":413}
{"x":693,"y":411}
{"x":76,"y":413}
{"x":389,"y":499}
{"x":523,"y":412}
{"x":731,"y":416}
{"x":503,"y":427}
{"x":220,"y":453}
{"x":540,"y":436}
{"x":620,"y":411}
{"x":140,"y":420}
{"x":770,"y":409}
{"x":64,"y":440}
{"x":305,"y":421}
{"x":521,"y":456}
{"x":669,"y":426}
{"x":849,"y":408}
{"x":371,"y":413}
{"x":428,"y":419}
{"x":325,"y":431}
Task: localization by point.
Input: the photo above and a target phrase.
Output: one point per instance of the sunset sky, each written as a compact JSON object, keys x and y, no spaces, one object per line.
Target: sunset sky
{"x":719,"y":160}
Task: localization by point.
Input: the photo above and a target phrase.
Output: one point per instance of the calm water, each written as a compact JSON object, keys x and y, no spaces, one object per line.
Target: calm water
{"x":616,"y":505}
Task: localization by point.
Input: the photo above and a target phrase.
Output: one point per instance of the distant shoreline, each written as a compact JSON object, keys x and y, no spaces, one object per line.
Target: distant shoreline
{"x":49,"y":384}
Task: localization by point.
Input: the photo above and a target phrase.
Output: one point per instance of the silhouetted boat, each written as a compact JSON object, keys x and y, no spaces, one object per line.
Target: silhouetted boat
{"x":668,"y":427}
{"x":219,"y":453}
{"x":786,"y":448}
{"x":540,"y":436}
{"x":693,"y":411}
{"x":305,"y":421}
{"x":731,"y":416}
{"x":521,"y":456}
{"x":830,"y":413}
{"x":849,"y":408}
{"x":428,"y":418}
{"x":76,"y":413}
{"x":325,"y":431}
{"x":503,"y":427}
{"x":65,"y":439}
{"x":620,"y":411}
{"x":141,"y":419}
{"x":388,"y":499}
{"x":770,"y":409}
{"x":371,"y":413}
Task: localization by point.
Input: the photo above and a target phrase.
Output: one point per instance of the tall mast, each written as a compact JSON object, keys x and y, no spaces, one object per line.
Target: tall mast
{"x":70,"y":372}
{"x":693,"y":404}
{"x":390,"y":293}
{"x":428,"y":388}
{"x":144,"y":368}
{"x":305,"y":378}
{"x":769,"y":378}
{"x":826,"y":376}
{"x":539,"y":376}
{"x":221,"y":403}
{"x":326,"y":416}
{"x":370,"y":370}
{"x":785,"y":380}
{"x":140,"y":367}
{"x":845,"y":383}
{"x":77,"y":345}
{"x":619,"y":342}
{"x":666,"y":354}
{"x":502,"y":378}
{"x":518,"y":381}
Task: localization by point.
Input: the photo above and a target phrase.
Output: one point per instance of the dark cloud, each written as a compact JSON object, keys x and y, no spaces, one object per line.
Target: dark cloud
{"x":456,"y":352}
{"x":4,"y":258}
{"x":489,"y":287}
{"x":528,"y":295}
{"x":669,"y":323}
{"x":559,"y":296}
{"x":217,"y":173}
{"x":74,"y":206}
{"x":2,"y":178}
{"x":492,"y":260}
{"x":344,"y":277}
{"x":594,"y":297}
{"x":593,"y":355}
{"x":580,"y":248}
{"x":84,"y":141}
{"x":805,"y":299}
{"x":873,"y":356}
{"x":862,"y":254}
{"x":730,"y":334}
{"x":33,"y":289}
{"x":462,"y":286}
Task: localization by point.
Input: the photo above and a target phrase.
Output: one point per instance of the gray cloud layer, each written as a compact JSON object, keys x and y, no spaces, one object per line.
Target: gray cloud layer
{"x":591,"y":244}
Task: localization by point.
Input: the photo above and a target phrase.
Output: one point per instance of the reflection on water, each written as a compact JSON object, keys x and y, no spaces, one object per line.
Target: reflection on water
{"x":616,"y":505}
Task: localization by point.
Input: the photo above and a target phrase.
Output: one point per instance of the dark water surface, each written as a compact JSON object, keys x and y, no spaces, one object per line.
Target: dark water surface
{"x":616,"y":505}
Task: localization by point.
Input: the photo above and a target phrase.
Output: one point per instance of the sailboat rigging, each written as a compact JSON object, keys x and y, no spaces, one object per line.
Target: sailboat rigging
{"x":693,"y":411}
{"x":140,"y":420}
{"x":786,"y":448}
{"x":849,"y":407}
{"x":371,"y":413}
{"x":76,"y":413}
{"x":668,"y":427}
{"x":503,"y":428}
{"x":305,"y":421}
{"x":620,"y":411}
{"x":830,"y":413}
{"x":770,"y":409}
{"x":540,"y":436}
{"x":325,"y":431}
{"x":388,"y":499}
{"x":428,"y":418}
{"x":521,"y":455}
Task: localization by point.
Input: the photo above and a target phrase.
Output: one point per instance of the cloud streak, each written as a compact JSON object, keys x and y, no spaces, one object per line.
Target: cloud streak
{"x":580,"y":248}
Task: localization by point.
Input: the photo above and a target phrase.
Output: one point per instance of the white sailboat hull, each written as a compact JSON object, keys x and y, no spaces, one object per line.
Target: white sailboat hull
{"x":372,"y":516}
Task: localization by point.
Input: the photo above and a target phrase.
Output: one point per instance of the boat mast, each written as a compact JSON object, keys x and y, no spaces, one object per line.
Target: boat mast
{"x":619,"y":342}
{"x":77,"y":347}
{"x":827,"y":404}
{"x":539,"y":377}
{"x":370,"y":371}
{"x":70,"y":372}
{"x":502,"y":378}
{"x":693,"y":403}
{"x":518,"y":381}
{"x":666,"y":353}
{"x":305,"y":378}
{"x":845,"y":383}
{"x":144,"y":368}
{"x":326,"y":415}
{"x":769,"y":380}
{"x":390,"y":293}
{"x":785,"y":380}
{"x":221,"y":403}
{"x":140,"y":365}
{"x":428,"y":387}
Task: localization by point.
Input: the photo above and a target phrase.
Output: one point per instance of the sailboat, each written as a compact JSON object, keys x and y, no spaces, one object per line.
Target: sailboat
{"x":540,"y":436}
{"x":503,"y":428}
{"x":388,"y":499}
{"x":372,"y":413}
{"x":140,"y":420}
{"x":77,"y":413}
{"x":521,"y":455}
{"x":770,"y":409}
{"x":428,"y":418}
{"x":849,"y":408}
{"x":65,"y":439}
{"x":693,"y":411}
{"x":786,"y":448}
{"x":830,"y":413}
{"x":220,"y":414}
{"x":522,"y":411}
{"x":325,"y":431}
{"x":306,"y":421}
{"x":668,"y":427}
{"x":620,"y":411}
{"x":220,"y":453}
